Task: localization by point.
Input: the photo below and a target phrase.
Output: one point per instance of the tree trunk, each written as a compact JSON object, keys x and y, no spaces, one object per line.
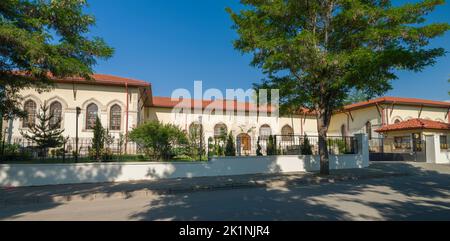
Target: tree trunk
{"x":323,"y":121}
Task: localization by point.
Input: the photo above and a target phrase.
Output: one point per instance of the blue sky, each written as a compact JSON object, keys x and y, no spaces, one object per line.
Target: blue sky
{"x":173,"y":43}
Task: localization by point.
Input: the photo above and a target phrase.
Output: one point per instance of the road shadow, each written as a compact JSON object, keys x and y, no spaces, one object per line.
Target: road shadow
{"x":423,"y":195}
{"x":41,"y":198}
{"x":34,"y":199}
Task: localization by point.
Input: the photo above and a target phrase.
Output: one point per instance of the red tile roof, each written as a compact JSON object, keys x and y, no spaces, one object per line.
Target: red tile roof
{"x":167,"y":102}
{"x":388,"y":100}
{"x":398,"y":100}
{"x":415,"y":124}
{"x":103,"y":79}
{"x":306,"y":111}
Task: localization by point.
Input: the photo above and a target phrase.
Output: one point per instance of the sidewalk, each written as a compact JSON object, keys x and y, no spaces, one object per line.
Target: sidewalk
{"x":66,"y":193}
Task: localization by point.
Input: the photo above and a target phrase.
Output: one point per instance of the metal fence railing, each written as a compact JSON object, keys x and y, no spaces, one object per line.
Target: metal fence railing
{"x":29,"y":149}
{"x":393,"y":145}
{"x":296,"y":145}
{"x":245,"y":146}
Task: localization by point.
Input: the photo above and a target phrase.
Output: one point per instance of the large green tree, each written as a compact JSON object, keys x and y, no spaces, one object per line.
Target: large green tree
{"x":318,"y":51}
{"x":38,"y":37}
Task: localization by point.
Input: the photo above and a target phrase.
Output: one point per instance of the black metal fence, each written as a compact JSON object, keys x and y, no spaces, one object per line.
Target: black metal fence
{"x":245,"y":146}
{"x":402,"y":148}
{"x":394,"y":145}
{"x":295,"y":145}
{"x":27,"y":149}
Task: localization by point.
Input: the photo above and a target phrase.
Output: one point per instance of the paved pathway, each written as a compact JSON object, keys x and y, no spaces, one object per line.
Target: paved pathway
{"x":421,"y":192}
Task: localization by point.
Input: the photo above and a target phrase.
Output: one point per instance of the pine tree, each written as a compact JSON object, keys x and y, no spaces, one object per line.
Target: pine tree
{"x":230,"y":149}
{"x":271,"y":149}
{"x":306,"y":148}
{"x":98,"y":142}
{"x":45,"y":134}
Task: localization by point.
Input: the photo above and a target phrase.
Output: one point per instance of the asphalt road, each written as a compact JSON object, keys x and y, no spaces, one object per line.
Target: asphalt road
{"x":424,"y":196}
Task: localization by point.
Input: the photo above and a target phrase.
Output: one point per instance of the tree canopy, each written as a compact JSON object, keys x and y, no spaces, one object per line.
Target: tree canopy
{"x":38,"y":37}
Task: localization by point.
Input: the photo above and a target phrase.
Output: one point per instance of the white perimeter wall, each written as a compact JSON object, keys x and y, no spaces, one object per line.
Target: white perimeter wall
{"x":52,"y":174}
{"x":439,"y":156}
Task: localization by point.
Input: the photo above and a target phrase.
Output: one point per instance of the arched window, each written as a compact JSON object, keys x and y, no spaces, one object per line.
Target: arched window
{"x":265,"y":131}
{"x":56,"y":113}
{"x":220,"y":130}
{"x":287,"y":133}
{"x":115,"y":117}
{"x":397,"y":121}
{"x":91,"y":116}
{"x":195,"y":128}
{"x":30,"y":108}
{"x":369,"y":130}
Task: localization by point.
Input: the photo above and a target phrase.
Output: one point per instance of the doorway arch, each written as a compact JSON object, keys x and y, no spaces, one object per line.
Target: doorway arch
{"x":245,"y":142}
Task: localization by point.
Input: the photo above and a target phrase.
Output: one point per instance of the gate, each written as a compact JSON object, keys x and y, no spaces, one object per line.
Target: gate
{"x":413,"y":149}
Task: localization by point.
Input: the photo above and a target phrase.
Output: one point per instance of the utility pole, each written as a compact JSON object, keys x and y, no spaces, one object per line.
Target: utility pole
{"x":78,"y":110}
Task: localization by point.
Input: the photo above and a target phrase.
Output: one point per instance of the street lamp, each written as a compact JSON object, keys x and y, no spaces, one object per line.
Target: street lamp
{"x":76,"y":133}
{"x":200,"y":120}
{"x":3,"y":142}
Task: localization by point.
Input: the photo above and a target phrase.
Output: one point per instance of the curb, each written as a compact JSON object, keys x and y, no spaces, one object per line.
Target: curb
{"x":308,"y":180}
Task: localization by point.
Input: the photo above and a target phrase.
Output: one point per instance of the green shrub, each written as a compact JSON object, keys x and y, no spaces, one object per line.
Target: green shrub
{"x":212,"y":151}
{"x":342,"y":146}
{"x":11,"y":149}
{"x":12,"y":152}
{"x":107,"y":154}
{"x":220,"y":150}
{"x":159,"y":139}
{"x":181,"y":150}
